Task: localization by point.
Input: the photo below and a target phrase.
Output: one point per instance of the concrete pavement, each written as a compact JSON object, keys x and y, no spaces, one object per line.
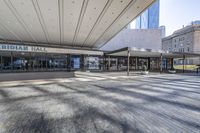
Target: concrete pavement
{"x":102,"y":103}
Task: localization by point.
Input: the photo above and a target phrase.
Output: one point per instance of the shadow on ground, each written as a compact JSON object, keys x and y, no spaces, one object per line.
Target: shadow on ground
{"x":102,"y":106}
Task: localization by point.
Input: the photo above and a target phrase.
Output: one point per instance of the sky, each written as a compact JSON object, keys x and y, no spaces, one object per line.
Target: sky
{"x":174,"y":14}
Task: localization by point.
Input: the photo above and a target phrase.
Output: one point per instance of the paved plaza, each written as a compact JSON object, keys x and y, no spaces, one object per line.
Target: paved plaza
{"x":102,"y":103}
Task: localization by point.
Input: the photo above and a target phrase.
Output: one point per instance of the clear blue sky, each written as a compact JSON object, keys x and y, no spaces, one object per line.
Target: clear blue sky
{"x":176,"y":13}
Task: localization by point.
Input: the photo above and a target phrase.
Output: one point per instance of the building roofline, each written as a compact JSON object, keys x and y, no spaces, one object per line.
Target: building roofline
{"x":187,"y":29}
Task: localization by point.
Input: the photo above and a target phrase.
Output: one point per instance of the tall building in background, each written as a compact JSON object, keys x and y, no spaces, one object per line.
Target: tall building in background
{"x":197,"y":22}
{"x":150,"y":18}
{"x":146,"y":33}
{"x":163,"y":31}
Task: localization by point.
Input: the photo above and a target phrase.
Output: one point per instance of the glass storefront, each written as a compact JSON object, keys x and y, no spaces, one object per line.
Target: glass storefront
{"x":6,"y":61}
{"x":135,"y":63}
{"x":19,"y":57}
{"x":92,"y":63}
{"x":167,"y":64}
{"x":142,"y":62}
{"x":29,"y":61}
{"x":21,"y":61}
{"x":122,"y":63}
{"x":155,"y":64}
{"x":75,"y":62}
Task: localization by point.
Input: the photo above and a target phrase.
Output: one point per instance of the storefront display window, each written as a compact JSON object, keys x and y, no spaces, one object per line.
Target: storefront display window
{"x":92,"y":63}
{"x":19,"y":61}
{"x":75,"y":62}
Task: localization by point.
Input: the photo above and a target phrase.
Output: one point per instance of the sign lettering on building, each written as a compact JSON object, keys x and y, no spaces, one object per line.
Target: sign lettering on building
{"x":21,"y":48}
{"x":38,"y":49}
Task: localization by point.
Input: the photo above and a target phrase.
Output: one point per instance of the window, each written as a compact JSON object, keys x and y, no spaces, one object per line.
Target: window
{"x":188,"y":42}
{"x":188,"y":49}
{"x":181,"y":39}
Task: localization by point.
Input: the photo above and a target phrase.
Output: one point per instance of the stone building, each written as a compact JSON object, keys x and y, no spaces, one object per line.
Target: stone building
{"x":186,"y":39}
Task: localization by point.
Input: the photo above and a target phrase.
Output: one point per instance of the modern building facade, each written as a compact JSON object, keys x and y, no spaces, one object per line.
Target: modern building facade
{"x":22,"y":58}
{"x":140,"y":38}
{"x":48,"y":35}
{"x":147,"y":33}
{"x":149,"y":19}
{"x":184,"y":40}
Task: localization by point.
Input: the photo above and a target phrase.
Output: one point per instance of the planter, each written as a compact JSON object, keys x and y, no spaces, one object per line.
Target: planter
{"x":172,"y":71}
{"x":145,"y":72}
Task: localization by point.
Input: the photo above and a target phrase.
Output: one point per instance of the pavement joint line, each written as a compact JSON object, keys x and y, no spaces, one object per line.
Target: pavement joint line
{"x":43,"y":81}
{"x":81,"y":78}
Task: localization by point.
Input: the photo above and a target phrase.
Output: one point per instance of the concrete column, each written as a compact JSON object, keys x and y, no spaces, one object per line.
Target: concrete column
{"x":82,"y":62}
{"x":117,"y":64}
{"x":161,"y":58}
{"x":128,"y":62}
{"x":166,"y":63}
{"x":33,"y":63}
{"x":41,"y":65}
{"x":183,"y":63}
{"x":172,"y":63}
{"x":149,"y":63}
{"x":109,"y":63}
{"x":46,"y":58}
{"x":1,"y":62}
{"x":11,"y":58}
{"x":29,"y":62}
{"x":104,"y":63}
{"x":54,"y":67}
{"x":136,"y":63}
{"x":68,"y":62}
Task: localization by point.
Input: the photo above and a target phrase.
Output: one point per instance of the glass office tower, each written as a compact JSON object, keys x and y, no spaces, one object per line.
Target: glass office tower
{"x":149,"y":18}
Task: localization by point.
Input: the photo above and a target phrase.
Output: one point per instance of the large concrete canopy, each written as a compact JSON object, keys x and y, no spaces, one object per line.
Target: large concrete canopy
{"x":77,"y":23}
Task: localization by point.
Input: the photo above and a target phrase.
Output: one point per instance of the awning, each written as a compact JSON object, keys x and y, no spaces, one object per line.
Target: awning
{"x":141,"y":52}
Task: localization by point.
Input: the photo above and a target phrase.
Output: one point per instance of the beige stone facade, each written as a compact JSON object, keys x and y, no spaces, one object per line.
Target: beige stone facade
{"x":186,"y":39}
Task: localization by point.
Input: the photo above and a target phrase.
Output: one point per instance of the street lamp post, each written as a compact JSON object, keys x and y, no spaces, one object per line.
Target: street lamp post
{"x":128,"y":62}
